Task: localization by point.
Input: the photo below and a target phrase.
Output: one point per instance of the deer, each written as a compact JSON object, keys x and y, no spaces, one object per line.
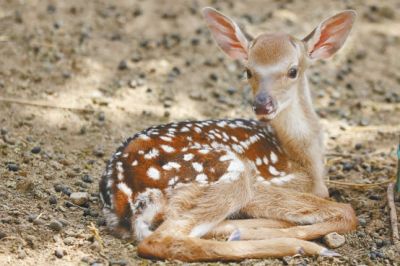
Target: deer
{"x":234,"y":189}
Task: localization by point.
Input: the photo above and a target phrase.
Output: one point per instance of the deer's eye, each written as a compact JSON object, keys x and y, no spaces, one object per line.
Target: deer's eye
{"x":292,"y":73}
{"x":248,"y":73}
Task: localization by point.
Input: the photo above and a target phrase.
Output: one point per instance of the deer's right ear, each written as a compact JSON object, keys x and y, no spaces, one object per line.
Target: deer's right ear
{"x":227,"y":34}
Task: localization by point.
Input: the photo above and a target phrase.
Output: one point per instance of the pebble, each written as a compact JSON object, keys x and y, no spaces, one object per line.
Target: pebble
{"x":87,"y":179}
{"x":2,"y":235}
{"x":55,"y":226}
{"x":13,"y":167}
{"x":79,"y":198}
{"x":69,"y":241}
{"x":53,"y":199}
{"x":101,"y":116}
{"x":347,"y":166}
{"x":334,"y":240}
{"x":123,"y":65}
{"x":36,"y":149}
{"x":99,"y":152}
{"x":59,"y":253}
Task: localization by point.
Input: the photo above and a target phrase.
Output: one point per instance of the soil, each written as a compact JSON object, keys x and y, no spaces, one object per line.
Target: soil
{"x":78,"y":77}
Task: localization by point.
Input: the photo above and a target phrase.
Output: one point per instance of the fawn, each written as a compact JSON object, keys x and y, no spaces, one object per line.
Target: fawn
{"x":174,"y":187}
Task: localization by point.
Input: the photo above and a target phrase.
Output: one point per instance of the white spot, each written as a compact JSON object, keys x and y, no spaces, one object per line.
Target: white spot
{"x":185,"y":129}
{"x":282,"y":180}
{"x":188,"y":157}
{"x":197,"y":129}
{"x":204,"y":151}
{"x":166,"y":138}
{"x":222,"y":124}
{"x":125,"y":189}
{"x":265,"y":160}
{"x":234,"y":138}
{"x":117,"y":154}
{"x":258,"y":161}
{"x":120,"y":170}
{"x":141,"y":152}
{"x":202,"y":178}
{"x":134,"y":163}
{"x":144,"y":137}
{"x":239,"y":149}
{"x":198,"y":167}
{"x":153,"y":173}
{"x":167,"y":148}
{"x":229,"y":177}
{"x":236,"y":166}
{"x":125,"y":155}
{"x":153,"y":153}
{"x":260,"y":179}
{"x":171,"y":165}
{"x":273,"y":170}
{"x":273,"y":156}
{"x":173,"y":181}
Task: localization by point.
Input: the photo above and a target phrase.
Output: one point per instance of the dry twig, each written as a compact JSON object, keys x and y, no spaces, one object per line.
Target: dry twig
{"x":45,"y":105}
{"x":393,"y":214}
{"x":359,"y":186}
{"x":96,"y":234}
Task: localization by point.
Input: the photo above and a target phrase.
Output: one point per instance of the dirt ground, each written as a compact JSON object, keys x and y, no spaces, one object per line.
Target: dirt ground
{"x":88,"y":74}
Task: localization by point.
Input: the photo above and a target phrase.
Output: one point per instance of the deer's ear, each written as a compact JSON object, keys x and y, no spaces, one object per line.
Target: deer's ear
{"x":330,"y":35}
{"x":227,"y":34}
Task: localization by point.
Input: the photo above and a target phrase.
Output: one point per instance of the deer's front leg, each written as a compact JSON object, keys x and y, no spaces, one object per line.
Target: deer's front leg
{"x":314,"y":216}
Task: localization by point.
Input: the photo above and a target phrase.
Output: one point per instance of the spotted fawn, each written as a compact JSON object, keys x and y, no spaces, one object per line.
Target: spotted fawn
{"x":259,"y":184}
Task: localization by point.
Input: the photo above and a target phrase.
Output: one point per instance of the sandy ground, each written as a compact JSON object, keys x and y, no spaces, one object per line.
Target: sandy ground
{"x":106,"y":69}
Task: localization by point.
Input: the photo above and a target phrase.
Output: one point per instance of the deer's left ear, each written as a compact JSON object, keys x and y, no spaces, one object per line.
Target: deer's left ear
{"x":330,"y":35}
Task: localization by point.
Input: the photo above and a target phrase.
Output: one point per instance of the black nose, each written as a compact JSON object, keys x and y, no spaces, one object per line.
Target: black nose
{"x":263,"y":104}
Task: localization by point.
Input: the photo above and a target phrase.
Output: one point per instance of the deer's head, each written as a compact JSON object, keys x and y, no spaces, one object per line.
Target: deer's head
{"x":275,"y":63}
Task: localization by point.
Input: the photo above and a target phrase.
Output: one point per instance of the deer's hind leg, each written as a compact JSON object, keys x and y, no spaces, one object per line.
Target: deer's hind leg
{"x":314,"y":216}
{"x":228,"y":228}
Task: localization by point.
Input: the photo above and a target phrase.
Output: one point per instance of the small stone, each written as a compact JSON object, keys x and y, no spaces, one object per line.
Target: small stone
{"x":101,"y":116}
{"x":2,"y":235}
{"x":21,"y":254}
{"x":98,"y":152}
{"x":79,"y":198}
{"x":358,"y":146}
{"x":55,"y":226}
{"x":362,"y":221}
{"x":36,"y":149}
{"x":53,"y":199}
{"x":13,"y":167}
{"x":59,"y":253}
{"x":69,"y":241}
{"x":334,"y":240}
{"x":87,"y":179}
{"x":231,"y":90}
{"x":123,"y":65}
{"x":347,"y":166}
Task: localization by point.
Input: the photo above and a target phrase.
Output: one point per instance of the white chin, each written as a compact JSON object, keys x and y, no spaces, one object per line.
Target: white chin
{"x":267,"y":117}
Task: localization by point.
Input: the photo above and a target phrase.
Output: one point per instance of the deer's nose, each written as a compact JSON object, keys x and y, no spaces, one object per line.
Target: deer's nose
{"x":264,"y":104}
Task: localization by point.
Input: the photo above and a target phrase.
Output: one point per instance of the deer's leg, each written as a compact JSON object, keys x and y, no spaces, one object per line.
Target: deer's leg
{"x":193,"y":211}
{"x":315,"y":216}
{"x":227,"y":228}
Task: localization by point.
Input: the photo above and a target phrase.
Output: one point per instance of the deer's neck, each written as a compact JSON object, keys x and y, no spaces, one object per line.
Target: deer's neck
{"x":299,"y":132}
